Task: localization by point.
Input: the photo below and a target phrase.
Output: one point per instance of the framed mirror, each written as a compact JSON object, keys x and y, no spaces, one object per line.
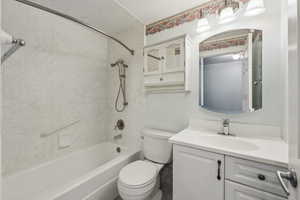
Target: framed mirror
{"x":231,"y":72}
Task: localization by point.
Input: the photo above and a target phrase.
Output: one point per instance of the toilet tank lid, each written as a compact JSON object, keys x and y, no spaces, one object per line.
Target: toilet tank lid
{"x":156,"y":133}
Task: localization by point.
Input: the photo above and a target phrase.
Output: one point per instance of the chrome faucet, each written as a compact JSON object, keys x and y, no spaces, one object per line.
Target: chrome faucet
{"x":226,"y":124}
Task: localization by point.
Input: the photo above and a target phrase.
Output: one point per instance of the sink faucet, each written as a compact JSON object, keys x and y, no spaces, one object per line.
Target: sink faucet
{"x":226,"y":123}
{"x":226,"y":126}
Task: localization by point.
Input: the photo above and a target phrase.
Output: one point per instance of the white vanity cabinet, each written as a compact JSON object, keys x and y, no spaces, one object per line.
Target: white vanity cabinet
{"x":235,"y":191}
{"x":199,"y":174}
{"x":167,"y":65}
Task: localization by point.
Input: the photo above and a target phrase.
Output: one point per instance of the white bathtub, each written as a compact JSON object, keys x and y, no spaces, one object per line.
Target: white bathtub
{"x":89,"y":174}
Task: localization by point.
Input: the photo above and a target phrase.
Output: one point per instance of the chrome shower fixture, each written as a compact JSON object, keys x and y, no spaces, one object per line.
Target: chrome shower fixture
{"x":119,"y":62}
{"x":73,"y":19}
{"x":122,"y":86}
{"x":16,"y":44}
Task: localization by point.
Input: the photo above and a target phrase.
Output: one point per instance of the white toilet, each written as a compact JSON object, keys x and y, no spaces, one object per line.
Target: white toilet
{"x":139,"y":180}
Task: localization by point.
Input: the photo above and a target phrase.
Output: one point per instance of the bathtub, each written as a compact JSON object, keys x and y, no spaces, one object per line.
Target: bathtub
{"x":89,"y":174}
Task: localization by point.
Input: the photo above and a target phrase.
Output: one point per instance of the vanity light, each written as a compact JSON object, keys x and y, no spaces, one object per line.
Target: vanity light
{"x":203,"y":25}
{"x":236,"y":56}
{"x":227,"y":14}
{"x":255,"y":7}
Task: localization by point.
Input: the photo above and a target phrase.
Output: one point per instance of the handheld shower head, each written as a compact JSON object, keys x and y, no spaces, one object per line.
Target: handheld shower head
{"x":119,"y":62}
{"x":122,"y":87}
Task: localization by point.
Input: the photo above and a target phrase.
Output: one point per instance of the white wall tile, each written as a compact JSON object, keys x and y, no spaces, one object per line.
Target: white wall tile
{"x":59,"y":77}
{"x":135,"y":112}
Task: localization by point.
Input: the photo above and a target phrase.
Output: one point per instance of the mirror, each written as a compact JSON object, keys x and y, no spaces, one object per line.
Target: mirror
{"x":231,"y":72}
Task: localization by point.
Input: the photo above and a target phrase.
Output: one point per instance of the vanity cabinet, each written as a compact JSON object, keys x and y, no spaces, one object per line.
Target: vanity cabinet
{"x":235,"y":191}
{"x":167,"y":65}
{"x":256,"y":175}
{"x":199,"y":174}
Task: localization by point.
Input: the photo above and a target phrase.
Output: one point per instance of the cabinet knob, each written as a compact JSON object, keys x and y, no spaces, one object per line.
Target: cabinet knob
{"x":261,"y":177}
{"x":161,"y":79}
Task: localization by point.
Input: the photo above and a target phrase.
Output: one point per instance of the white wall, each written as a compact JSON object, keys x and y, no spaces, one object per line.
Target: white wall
{"x":176,"y":109}
{"x":59,"y":77}
{"x":64,"y":74}
{"x":284,"y":68}
{"x":0,"y":109}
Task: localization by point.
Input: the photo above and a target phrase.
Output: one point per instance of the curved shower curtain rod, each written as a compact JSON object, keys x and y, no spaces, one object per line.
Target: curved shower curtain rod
{"x":55,"y":12}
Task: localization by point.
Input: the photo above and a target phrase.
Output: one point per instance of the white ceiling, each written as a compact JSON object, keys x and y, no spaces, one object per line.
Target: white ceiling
{"x":149,"y":11}
{"x":107,"y":15}
{"x":113,"y":16}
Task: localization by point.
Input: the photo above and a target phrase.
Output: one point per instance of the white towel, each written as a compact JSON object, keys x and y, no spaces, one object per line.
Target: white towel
{"x":5,"y":38}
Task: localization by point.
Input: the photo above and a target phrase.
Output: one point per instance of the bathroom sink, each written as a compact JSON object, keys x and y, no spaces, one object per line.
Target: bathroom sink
{"x":227,"y":142}
{"x":268,"y":150}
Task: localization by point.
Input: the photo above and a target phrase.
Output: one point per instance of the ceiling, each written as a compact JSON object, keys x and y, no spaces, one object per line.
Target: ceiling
{"x":107,"y":15}
{"x":149,"y":11}
{"x":113,"y":16}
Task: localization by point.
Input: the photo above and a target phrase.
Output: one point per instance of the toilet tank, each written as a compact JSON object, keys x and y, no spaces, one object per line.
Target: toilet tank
{"x":156,"y":146}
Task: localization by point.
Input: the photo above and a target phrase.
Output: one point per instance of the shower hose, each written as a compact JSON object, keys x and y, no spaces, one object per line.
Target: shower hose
{"x":122,"y":89}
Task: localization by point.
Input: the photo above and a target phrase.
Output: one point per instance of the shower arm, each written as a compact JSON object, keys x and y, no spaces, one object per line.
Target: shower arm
{"x":16,"y":44}
{"x":55,"y":12}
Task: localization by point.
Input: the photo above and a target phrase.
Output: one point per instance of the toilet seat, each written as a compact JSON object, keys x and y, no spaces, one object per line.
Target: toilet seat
{"x":138,"y":174}
{"x":136,"y":193}
{"x":137,"y":180}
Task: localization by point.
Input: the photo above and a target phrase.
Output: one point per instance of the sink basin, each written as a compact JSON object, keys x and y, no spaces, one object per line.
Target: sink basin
{"x":269,"y":150}
{"x":227,"y":142}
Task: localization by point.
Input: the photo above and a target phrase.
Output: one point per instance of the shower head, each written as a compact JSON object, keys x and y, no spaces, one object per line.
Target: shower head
{"x":121,"y":69}
{"x":119,"y":62}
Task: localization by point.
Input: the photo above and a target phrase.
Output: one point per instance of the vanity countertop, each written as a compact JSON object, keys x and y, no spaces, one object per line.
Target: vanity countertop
{"x":272,"y":151}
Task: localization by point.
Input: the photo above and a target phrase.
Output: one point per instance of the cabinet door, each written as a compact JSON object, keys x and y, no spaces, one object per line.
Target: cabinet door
{"x":236,"y":191}
{"x":153,"y":61}
{"x":197,"y":175}
{"x":174,"y":56}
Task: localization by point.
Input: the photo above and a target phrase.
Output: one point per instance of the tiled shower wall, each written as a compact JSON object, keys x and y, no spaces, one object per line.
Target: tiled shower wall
{"x":59,"y":77}
{"x":135,"y":112}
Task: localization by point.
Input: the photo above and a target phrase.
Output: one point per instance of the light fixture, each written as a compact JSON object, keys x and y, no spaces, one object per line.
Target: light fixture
{"x":255,"y":7}
{"x":236,"y":56}
{"x":227,"y":14}
{"x":202,"y":24}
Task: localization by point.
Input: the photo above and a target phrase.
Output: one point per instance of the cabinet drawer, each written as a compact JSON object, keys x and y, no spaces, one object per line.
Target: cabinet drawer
{"x":234,"y":191}
{"x":257,"y":175}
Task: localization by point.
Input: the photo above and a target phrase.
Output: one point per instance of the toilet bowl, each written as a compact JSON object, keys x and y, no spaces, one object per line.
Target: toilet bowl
{"x":140,"y":180}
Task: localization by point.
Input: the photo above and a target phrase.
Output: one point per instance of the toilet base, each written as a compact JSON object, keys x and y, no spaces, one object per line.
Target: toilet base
{"x":157,"y":196}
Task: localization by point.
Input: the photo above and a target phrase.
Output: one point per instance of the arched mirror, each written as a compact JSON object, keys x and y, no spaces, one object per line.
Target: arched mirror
{"x":231,"y":72}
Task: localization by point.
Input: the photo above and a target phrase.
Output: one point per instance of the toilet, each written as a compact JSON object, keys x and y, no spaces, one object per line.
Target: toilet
{"x":140,"y":180}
